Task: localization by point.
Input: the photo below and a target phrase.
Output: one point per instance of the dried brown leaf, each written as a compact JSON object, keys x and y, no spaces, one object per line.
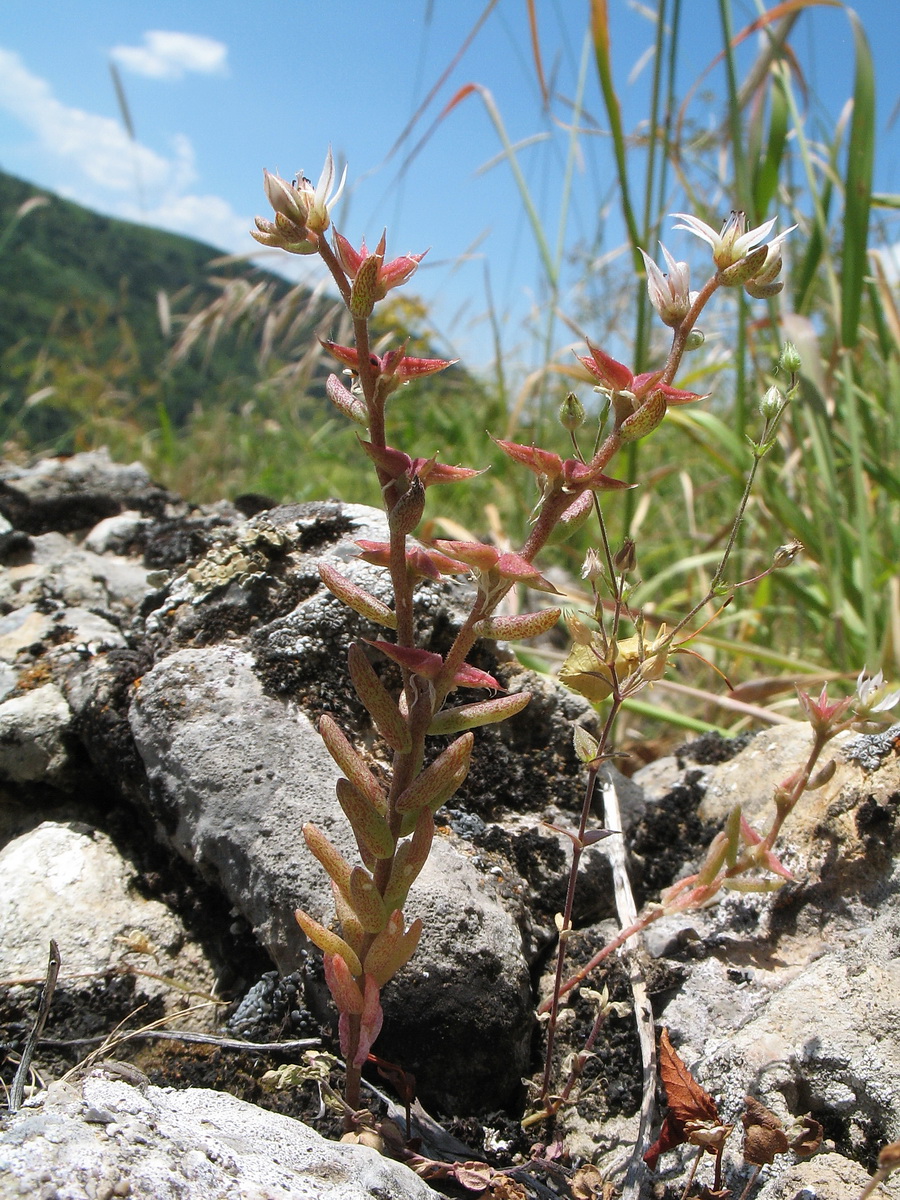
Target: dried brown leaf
{"x":473,"y":1176}
{"x":687,"y":1100}
{"x":809,"y":1139}
{"x":587,"y":1183}
{"x":504,"y":1188}
{"x":764,"y":1135}
{"x":692,"y":1116}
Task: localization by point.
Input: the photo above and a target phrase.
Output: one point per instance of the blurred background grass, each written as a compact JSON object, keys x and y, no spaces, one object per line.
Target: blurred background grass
{"x":209,"y":370}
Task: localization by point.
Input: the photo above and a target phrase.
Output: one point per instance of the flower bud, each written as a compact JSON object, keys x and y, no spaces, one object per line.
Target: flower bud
{"x":785,"y":555}
{"x":571,"y":413}
{"x":669,"y":294}
{"x":624,"y":559}
{"x":790,"y":360}
{"x":695,"y":339}
{"x":771,"y":404}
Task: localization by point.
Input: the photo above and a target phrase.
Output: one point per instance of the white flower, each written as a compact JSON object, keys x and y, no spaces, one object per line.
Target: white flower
{"x":735,"y":241}
{"x":868,"y":689}
{"x":670,"y":294}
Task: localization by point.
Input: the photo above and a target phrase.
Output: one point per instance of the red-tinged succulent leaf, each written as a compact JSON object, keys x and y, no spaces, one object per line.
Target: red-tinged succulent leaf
{"x":364,"y":290}
{"x":416,"y":368}
{"x":514,"y":566}
{"x":345,"y":354}
{"x":572,"y":518}
{"x":522,"y":625}
{"x":351,"y":763}
{"x":343,"y":987}
{"x":376,"y":553}
{"x":478,"y":555}
{"x":355,"y":597}
{"x":392,"y":949}
{"x":483,"y":558}
{"x":432,"y":472}
{"x":542,"y":462}
{"x":409,"y":861}
{"x":445,"y":565}
{"x":645,"y":419}
{"x":764,"y":1135}
{"x":440,"y":779}
{"x":646,"y":382}
{"x":429,"y":666}
{"x":336,"y":866}
{"x":772,"y":862}
{"x":686,"y":1099}
{"x":608,"y":371}
{"x":370,"y":1023}
{"x":328,"y":941}
{"x":350,"y":258}
{"x":420,"y":662}
{"x":379,"y":703}
{"x":473,"y":716}
{"x":676,"y":396}
{"x":420,"y":563}
{"x":382,"y":948}
{"x":452,"y":785}
{"x":371,"y":830}
{"x":351,"y":930}
{"x":366,"y":902}
{"x":344,"y":400}
{"x":420,"y":842}
{"x":471,"y":677}
{"x":393,"y":462}
{"x":577,"y":474}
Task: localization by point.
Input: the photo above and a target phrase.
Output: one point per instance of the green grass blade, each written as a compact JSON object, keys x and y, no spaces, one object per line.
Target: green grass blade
{"x":858,"y":186}
{"x":603,"y":57}
{"x":765,"y":183}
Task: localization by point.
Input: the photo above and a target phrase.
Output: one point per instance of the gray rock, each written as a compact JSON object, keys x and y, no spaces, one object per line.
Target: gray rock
{"x":234,"y":774}
{"x":55,"y":567}
{"x":34,"y":736}
{"x":8,"y":678}
{"x":73,"y":493}
{"x":108,"y":1137}
{"x":827,"y":1176}
{"x":70,"y":883}
{"x":113,"y":534}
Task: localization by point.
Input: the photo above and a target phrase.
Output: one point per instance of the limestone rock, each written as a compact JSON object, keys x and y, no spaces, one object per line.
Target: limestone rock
{"x":34,"y":736}
{"x":234,"y":774}
{"x":69,"y":883}
{"x":107,"y":1137}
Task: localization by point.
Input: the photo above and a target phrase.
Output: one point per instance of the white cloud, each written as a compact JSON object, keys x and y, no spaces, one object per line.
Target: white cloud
{"x":98,"y":147}
{"x":207,"y":218}
{"x":166,"y":55}
{"x":91,"y":159}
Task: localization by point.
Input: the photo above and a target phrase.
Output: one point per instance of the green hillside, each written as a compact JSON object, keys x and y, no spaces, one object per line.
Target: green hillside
{"x":79,"y":313}
{"x":147,"y":342}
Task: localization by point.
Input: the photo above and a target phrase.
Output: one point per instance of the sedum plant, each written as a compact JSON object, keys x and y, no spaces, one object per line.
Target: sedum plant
{"x":393,"y":823}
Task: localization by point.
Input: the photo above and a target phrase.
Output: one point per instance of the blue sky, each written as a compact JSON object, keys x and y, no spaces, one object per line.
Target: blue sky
{"x":217,"y":91}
